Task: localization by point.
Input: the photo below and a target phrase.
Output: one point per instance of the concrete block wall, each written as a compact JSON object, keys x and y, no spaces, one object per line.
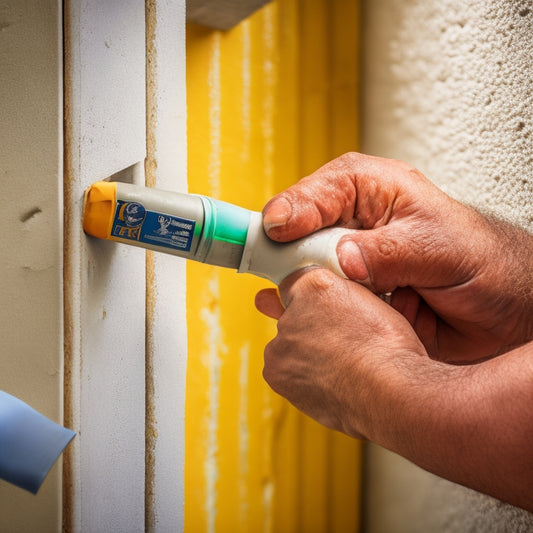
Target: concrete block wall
{"x":448,"y":86}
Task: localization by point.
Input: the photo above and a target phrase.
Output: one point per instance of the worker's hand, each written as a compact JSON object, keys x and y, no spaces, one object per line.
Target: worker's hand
{"x":337,"y":355}
{"x":462,"y":281}
{"x":353,"y":363}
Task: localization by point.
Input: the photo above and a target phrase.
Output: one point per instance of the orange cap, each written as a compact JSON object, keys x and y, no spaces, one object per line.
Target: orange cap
{"x":99,"y":209}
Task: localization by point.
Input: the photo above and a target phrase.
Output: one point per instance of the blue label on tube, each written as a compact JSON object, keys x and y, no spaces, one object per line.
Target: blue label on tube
{"x":133,"y":222}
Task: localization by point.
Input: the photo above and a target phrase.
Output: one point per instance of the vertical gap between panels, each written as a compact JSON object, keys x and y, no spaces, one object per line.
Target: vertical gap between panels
{"x":150,"y":166}
{"x":70,"y":336}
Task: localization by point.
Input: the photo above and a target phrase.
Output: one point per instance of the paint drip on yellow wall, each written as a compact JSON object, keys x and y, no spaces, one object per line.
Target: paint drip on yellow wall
{"x":268,"y":102}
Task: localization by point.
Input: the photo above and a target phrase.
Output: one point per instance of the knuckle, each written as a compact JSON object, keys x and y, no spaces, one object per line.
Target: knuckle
{"x":267,"y":373}
{"x":299,"y":283}
{"x":388,"y":248}
{"x":411,"y":173}
{"x":406,"y":171}
{"x":342,"y":163}
{"x":403,"y":166}
{"x":272,"y":374}
{"x":313,"y":280}
{"x":350,"y":158}
{"x":315,"y":287}
{"x":268,"y":360}
{"x":319,"y":280}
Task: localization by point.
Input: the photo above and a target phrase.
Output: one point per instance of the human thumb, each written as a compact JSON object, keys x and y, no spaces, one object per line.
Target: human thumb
{"x":379,"y":259}
{"x":352,"y":261}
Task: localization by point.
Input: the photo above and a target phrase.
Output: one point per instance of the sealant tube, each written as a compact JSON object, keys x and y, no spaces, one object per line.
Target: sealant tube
{"x":203,"y":229}
{"x":30,"y":443}
{"x":187,"y":225}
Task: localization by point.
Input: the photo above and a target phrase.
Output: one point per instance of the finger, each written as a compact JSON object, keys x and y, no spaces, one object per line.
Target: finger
{"x":288,"y":287}
{"x":312,"y":279}
{"x":354,"y":189}
{"x":422,"y":319}
{"x":267,"y":301}
{"x":407,"y":302}
{"x":319,"y":200}
{"x":381,"y":259}
{"x":415,"y":252}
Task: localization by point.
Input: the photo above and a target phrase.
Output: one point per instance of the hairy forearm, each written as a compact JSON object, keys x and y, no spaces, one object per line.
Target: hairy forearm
{"x":469,"y":424}
{"x":510,"y":261}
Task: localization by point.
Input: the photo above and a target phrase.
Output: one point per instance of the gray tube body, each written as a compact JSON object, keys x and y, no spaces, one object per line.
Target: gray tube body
{"x":186,"y":225}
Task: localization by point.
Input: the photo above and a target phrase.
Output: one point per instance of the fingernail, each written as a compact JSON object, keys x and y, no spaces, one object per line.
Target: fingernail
{"x":351,"y":260}
{"x":277,"y":213}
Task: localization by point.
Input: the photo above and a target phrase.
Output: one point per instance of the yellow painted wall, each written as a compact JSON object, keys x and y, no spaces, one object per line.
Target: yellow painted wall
{"x":268,"y":102}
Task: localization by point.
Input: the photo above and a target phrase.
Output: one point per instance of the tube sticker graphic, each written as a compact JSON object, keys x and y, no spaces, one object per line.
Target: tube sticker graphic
{"x":133,"y":222}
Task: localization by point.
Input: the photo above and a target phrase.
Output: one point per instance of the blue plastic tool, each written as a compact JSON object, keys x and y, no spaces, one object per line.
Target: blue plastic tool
{"x":30,"y":443}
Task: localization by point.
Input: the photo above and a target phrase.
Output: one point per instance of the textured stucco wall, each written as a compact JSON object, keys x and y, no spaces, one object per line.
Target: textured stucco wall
{"x":449,"y":88}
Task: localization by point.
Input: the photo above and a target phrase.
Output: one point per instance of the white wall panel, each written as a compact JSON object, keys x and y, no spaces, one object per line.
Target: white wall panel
{"x":106,"y":74}
{"x":166,"y":169}
{"x":104,"y":283}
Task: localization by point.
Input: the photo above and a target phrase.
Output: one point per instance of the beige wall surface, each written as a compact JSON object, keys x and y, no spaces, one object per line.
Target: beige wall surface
{"x":449,"y":88}
{"x":31,"y":238}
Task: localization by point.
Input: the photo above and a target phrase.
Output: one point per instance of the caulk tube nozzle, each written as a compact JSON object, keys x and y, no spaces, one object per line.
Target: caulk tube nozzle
{"x":275,"y":261}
